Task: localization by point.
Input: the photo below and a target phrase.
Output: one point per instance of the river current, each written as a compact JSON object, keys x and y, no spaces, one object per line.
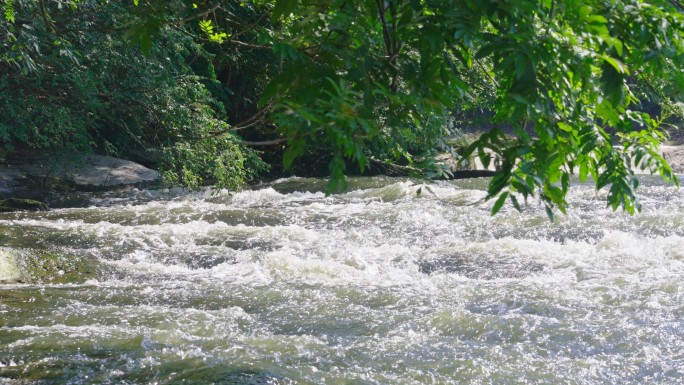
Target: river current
{"x":392,"y":282}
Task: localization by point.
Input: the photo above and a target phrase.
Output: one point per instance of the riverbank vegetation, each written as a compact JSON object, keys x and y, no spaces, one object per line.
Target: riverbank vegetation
{"x":228,"y":91}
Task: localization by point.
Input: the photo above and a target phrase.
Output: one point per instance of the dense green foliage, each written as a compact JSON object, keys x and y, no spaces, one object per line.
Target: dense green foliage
{"x":76,"y":83}
{"x":567,"y":87}
{"x":565,"y":76}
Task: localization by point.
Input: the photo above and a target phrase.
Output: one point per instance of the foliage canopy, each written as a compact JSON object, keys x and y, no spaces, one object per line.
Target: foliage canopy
{"x":569,"y":87}
{"x":567,"y":77}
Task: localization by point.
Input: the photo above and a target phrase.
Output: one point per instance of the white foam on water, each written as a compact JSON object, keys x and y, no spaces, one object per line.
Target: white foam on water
{"x":271,"y":197}
{"x":9,"y":269}
{"x":381,"y":284}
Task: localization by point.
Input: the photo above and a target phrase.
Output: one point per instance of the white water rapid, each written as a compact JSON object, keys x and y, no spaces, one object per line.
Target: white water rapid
{"x":384,"y":284}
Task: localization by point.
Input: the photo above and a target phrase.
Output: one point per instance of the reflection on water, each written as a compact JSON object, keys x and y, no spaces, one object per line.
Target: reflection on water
{"x":280,"y":284}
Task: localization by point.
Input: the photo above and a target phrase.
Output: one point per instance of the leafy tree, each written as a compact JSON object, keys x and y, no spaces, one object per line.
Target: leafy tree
{"x":71,"y":80}
{"x":565,"y":73}
{"x":385,"y":81}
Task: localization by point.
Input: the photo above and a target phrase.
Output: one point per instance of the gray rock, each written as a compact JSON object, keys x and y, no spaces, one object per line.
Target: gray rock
{"x":105,"y":171}
{"x":36,"y":178}
{"x":674,"y":156}
{"x":18,"y":204}
{"x":10,"y":178}
{"x":93,"y":171}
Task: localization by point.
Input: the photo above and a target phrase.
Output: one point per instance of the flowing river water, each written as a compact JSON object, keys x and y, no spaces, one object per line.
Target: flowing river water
{"x":392,"y":282}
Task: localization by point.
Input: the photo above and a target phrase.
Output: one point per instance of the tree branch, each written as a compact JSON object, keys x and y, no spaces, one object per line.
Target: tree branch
{"x":678,"y":5}
{"x":201,"y":14}
{"x":266,"y":142}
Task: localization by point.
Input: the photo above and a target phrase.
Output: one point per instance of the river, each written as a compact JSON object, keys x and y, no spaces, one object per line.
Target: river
{"x":392,"y":282}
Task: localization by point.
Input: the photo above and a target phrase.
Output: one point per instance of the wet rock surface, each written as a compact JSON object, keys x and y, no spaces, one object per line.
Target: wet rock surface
{"x":31,"y":266}
{"x":11,"y":181}
{"x":38,"y":177}
{"x":15,"y":204}
{"x":92,"y":171}
{"x":674,"y":156}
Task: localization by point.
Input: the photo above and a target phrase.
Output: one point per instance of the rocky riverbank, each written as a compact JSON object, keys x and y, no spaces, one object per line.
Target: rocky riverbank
{"x":674,"y":154}
{"x":32,"y":178}
{"x":28,"y":183}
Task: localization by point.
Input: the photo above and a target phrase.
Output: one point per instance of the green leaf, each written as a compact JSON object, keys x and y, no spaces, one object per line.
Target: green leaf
{"x":499,"y":202}
{"x":486,"y":51}
{"x":9,"y":12}
{"x":145,"y":42}
{"x":615,"y":43}
{"x":294,"y":149}
{"x":514,"y":200}
{"x":549,"y":213}
{"x":337,"y":180}
{"x":282,"y":8}
{"x":565,"y":127}
{"x":520,"y":65}
{"x":619,"y":66}
{"x":583,"y":171}
{"x":613,"y":85}
{"x":596,"y":19}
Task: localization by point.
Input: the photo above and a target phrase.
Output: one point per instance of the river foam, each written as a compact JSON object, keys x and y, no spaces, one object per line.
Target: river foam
{"x":393,"y":282}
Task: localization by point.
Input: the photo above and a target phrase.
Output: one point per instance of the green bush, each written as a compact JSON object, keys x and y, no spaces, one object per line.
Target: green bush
{"x":91,"y":89}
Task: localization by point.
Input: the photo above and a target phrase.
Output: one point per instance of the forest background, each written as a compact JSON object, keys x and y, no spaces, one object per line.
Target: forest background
{"x":226,"y":92}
